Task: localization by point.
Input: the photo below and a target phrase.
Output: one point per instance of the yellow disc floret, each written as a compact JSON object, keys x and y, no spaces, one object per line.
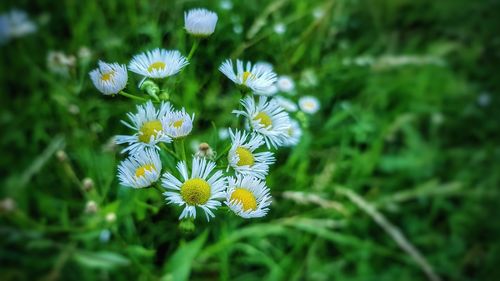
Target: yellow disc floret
{"x":195,"y":191}
{"x":149,"y":129}
{"x":107,"y":76}
{"x":245,"y":157}
{"x":246,"y":75}
{"x":263,"y":119}
{"x":245,"y":197}
{"x":159,"y":65}
{"x":139,"y":172}
{"x":177,"y":124}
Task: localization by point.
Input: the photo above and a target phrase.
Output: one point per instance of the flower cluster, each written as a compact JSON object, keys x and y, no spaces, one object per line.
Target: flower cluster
{"x":203,"y":181}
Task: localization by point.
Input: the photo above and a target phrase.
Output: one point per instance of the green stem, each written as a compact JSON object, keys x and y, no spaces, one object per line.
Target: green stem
{"x":165,"y":147}
{"x":180,"y":149}
{"x":131,"y":96}
{"x":224,"y":152}
{"x":196,"y":43}
{"x":158,"y":187}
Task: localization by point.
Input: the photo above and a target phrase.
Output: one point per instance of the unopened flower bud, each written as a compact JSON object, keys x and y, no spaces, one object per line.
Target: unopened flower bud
{"x":205,"y":151}
{"x":61,"y":155}
{"x":150,"y":88}
{"x":91,"y":207}
{"x":111,"y":217}
{"x":7,"y":205}
{"x":87,"y":184}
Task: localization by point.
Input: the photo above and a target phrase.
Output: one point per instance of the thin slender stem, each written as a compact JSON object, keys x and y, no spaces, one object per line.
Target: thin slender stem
{"x":165,"y":147}
{"x":196,"y":43}
{"x":131,"y":96}
{"x":180,"y":149}
{"x":224,"y":152}
{"x":159,"y":188}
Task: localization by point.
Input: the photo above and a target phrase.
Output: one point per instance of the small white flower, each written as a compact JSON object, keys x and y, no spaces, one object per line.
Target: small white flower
{"x":285,"y":84}
{"x":223,"y":133}
{"x":226,"y":5}
{"x":149,"y":125}
{"x":140,"y":170}
{"x":287,"y":104}
{"x":248,"y":197}
{"x":179,"y":123}
{"x":243,"y":158}
{"x":60,"y":63}
{"x":158,"y":63}
{"x":294,"y":133}
{"x":309,"y":104}
{"x":256,"y":78}
{"x":200,"y":22}
{"x":200,"y":188}
{"x":266,"y":118}
{"x":279,"y":28}
{"x":15,"y":24}
{"x":109,"y":78}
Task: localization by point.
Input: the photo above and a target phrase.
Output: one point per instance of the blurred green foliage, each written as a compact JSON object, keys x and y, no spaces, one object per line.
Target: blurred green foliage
{"x":409,"y":123}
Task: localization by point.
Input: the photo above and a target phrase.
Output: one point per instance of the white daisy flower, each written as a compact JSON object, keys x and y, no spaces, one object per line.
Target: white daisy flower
{"x":200,"y":188}
{"x":15,"y":24}
{"x":309,"y":104}
{"x":223,"y":133}
{"x":287,"y":104}
{"x":158,"y":63}
{"x":266,"y":118}
{"x":109,"y":78}
{"x":269,"y":91}
{"x":149,"y":125}
{"x":256,"y":78}
{"x":200,"y":22}
{"x":248,"y":197}
{"x":243,"y":158}
{"x":294,"y":133}
{"x":140,"y":170}
{"x":179,"y":123}
{"x":285,"y":84}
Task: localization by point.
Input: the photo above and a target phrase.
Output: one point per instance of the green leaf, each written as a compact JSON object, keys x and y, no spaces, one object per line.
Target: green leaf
{"x":178,"y":266}
{"x":102,"y":260}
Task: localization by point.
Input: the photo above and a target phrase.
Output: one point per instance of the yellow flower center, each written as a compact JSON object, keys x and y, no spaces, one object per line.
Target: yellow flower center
{"x":107,"y":76}
{"x":246,"y":75}
{"x":159,"y":65}
{"x":245,"y":156}
{"x":139,"y":172}
{"x":263,"y":119}
{"x":195,"y":191}
{"x":149,"y":129}
{"x":177,"y":124}
{"x":245,"y":197}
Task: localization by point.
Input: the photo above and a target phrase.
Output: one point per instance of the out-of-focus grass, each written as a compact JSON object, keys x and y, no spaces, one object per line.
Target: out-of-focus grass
{"x":401,"y":135}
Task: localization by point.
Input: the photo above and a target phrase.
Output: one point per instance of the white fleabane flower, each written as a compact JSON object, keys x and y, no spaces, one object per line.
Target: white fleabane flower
{"x":141,"y":169}
{"x":266,"y":118}
{"x":248,"y":197}
{"x":200,"y":22}
{"x":109,"y":78}
{"x":243,"y":158}
{"x":15,"y":24}
{"x":294,"y":133}
{"x":285,"y":84}
{"x":179,"y":123}
{"x":149,"y":125}
{"x":309,"y":104}
{"x":158,"y":63}
{"x":201,"y":188}
{"x":287,"y":104}
{"x":256,"y":78}
{"x":269,"y":91}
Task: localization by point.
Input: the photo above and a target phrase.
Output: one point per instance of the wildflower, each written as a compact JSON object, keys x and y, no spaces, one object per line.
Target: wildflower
{"x":223,"y":133}
{"x":309,"y":104}
{"x":61,"y":155}
{"x":205,"y":151}
{"x":60,"y":63}
{"x":140,"y":170}
{"x":256,"y":78}
{"x":91,"y":207}
{"x":266,"y":118}
{"x":294,"y":133}
{"x":226,"y":5}
{"x":110,"y":217}
{"x":87,"y":184}
{"x":285,"y":84}
{"x":248,"y":197}
{"x":287,"y":104}
{"x":15,"y":24}
{"x":200,"y":22}
{"x":243,"y":158}
{"x":279,"y":28}
{"x":178,"y":124}
{"x":149,"y":125}
{"x":200,"y":188}
{"x":109,"y":78}
{"x":158,"y":63}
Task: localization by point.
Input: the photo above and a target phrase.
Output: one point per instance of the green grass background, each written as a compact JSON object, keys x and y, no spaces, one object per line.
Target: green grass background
{"x":395,"y":150}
